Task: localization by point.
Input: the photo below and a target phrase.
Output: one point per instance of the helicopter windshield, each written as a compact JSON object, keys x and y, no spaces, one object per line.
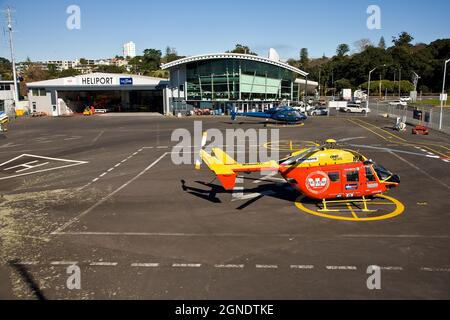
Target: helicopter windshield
{"x":382,"y":173}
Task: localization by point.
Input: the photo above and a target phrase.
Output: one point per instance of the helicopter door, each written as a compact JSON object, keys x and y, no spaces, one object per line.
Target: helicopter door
{"x":352,"y":183}
{"x":371,"y":179}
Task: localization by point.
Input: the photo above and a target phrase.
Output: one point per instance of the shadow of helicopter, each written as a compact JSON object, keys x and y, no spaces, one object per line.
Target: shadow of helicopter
{"x":282,"y":191}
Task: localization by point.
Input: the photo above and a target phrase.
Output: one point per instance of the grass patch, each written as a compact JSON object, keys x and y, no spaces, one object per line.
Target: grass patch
{"x":432,"y":102}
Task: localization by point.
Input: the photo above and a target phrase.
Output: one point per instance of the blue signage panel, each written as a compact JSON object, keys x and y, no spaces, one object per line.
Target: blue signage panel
{"x":126,"y":81}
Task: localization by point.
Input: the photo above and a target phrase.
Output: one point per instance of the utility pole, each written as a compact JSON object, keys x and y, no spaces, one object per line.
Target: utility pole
{"x":13,"y":60}
{"x":442,"y":95}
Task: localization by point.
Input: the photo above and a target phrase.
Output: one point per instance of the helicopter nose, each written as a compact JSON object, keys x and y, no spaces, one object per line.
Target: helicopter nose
{"x":394,"y":179}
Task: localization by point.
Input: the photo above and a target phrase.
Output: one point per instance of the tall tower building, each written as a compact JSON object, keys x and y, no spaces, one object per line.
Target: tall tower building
{"x":129,"y":49}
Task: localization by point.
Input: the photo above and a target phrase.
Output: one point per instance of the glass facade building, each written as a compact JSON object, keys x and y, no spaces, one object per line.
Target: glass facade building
{"x":247,"y":82}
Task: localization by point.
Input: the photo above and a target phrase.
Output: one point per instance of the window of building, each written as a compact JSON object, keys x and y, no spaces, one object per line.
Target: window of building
{"x":2,"y":106}
{"x":5,"y":87}
{"x":353,"y":176}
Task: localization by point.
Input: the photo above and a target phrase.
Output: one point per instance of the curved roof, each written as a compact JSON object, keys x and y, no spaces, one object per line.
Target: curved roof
{"x":232,"y":56}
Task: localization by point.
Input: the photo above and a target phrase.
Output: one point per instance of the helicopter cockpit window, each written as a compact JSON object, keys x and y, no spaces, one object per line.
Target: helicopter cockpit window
{"x":382,"y":173}
{"x":352,"y":176}
{"x":370,"y":177}
{"x":334,"y":176}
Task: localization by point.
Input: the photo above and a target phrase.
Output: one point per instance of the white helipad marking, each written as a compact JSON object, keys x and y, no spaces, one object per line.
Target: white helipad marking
{"x":306,"y":267}
{"x":105,"y":264}
{"x":145,"y":265}
{"x":266,"y":266}
{"x":104,"y":199}
{"x":63,"y":263}
{"x":186,"y":265}
{"x":72,"y":163}
{"x":229,"y":266}
{"x":341,"y":268}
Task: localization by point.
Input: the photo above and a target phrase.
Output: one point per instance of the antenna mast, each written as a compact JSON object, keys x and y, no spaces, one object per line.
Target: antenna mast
{"x":13,"y":60}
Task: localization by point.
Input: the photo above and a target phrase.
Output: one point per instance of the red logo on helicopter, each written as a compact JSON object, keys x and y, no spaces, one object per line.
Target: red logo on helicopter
{"x":317,"y":182}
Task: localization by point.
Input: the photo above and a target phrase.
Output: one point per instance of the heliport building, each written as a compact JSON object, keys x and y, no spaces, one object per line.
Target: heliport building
{"x":241,"y":81}
{"x":105,"y":91}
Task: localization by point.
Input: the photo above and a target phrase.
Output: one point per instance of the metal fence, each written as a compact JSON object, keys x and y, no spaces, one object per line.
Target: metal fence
{"x":426,"y":115}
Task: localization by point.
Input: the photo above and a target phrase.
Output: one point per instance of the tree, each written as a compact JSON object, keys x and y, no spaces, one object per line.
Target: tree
{"x":5,"y":69}
{"x":171,"y":55}
{"x":304,"y":57}
{"x":343,"y":84}
{"x":382,"y":43}
{"x":110,"y":69}
{"x":403,"y":39}
{"x":362,"y":45}
{"x":32,"y":73}
{"x":342,"y":50}
{"x":69,"y":73}
{"x":243,"y":50}
{"x":83,"y":61}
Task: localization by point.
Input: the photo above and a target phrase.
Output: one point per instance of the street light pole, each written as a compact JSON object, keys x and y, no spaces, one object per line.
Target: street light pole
{"x":368,"y":87}
{"x":443,"y":91}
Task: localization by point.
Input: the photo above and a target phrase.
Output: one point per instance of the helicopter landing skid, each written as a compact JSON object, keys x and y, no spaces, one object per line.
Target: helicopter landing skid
{"x":362,"y":200}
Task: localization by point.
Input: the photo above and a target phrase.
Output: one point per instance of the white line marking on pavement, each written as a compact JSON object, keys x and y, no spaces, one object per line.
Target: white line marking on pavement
{"x":186,"y":265}
{"x":392,"y":268}
{"x":63,"y":263}
{"x":341,"y":268}
{"x":423,"y":172}
{"x":27,"y":263}
{"x":145,"y":265}
{"x":427,"y":269}
{"x":97,"y":137}
{"x":229,"y":266}
{"x":104,"y":264}
{"x":104,"y":199}
{"x":266,"y":266}
{"x":306,"y":267}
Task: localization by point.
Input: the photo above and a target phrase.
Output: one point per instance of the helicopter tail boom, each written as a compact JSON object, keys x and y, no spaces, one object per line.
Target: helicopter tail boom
{"x":226,"y":168}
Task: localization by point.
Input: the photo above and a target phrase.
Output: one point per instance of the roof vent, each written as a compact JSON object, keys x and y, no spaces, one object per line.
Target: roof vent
{"x":273,"y":55}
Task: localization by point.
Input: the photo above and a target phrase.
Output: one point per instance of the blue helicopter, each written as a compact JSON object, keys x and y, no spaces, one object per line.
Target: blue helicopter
{"x":281,"y":114}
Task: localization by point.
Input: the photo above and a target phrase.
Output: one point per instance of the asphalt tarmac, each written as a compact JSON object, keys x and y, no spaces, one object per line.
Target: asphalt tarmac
{"x":103,"y":194}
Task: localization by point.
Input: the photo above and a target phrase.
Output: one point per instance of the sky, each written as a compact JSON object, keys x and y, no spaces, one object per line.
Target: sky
{"x":211,"y":26}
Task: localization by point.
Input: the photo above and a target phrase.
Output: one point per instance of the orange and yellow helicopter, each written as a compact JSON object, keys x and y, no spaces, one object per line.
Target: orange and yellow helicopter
{"x":326,"y":172}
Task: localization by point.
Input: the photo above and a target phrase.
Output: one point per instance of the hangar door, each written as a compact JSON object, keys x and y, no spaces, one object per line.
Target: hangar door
{"x":146,"y":101}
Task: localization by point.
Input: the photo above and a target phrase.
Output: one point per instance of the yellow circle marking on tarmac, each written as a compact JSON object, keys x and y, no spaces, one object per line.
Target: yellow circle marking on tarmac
{"x":285,"y":145}
{"x":399,"y":209}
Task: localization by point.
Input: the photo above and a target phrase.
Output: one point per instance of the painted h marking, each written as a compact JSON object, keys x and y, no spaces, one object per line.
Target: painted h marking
{"x":27,"y":166}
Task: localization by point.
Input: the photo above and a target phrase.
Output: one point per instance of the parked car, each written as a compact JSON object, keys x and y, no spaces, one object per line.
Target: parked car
{"x":355,"y":108}
{"x":319,"y":111}
{"x":398,"y":103}
{"x":302,"y":108}
{"x":405,"y":99}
